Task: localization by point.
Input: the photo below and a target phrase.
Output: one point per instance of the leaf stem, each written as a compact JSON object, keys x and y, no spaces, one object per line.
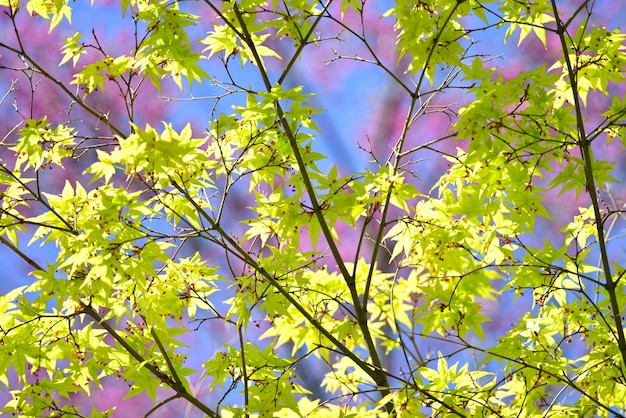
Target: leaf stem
{"x":244,"y":372}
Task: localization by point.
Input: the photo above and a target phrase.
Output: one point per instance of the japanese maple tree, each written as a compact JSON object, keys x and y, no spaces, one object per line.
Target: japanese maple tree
{"x":179,"y":180}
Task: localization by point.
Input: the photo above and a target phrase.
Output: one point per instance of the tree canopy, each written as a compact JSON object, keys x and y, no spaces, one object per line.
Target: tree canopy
{"x":193,"y":229}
